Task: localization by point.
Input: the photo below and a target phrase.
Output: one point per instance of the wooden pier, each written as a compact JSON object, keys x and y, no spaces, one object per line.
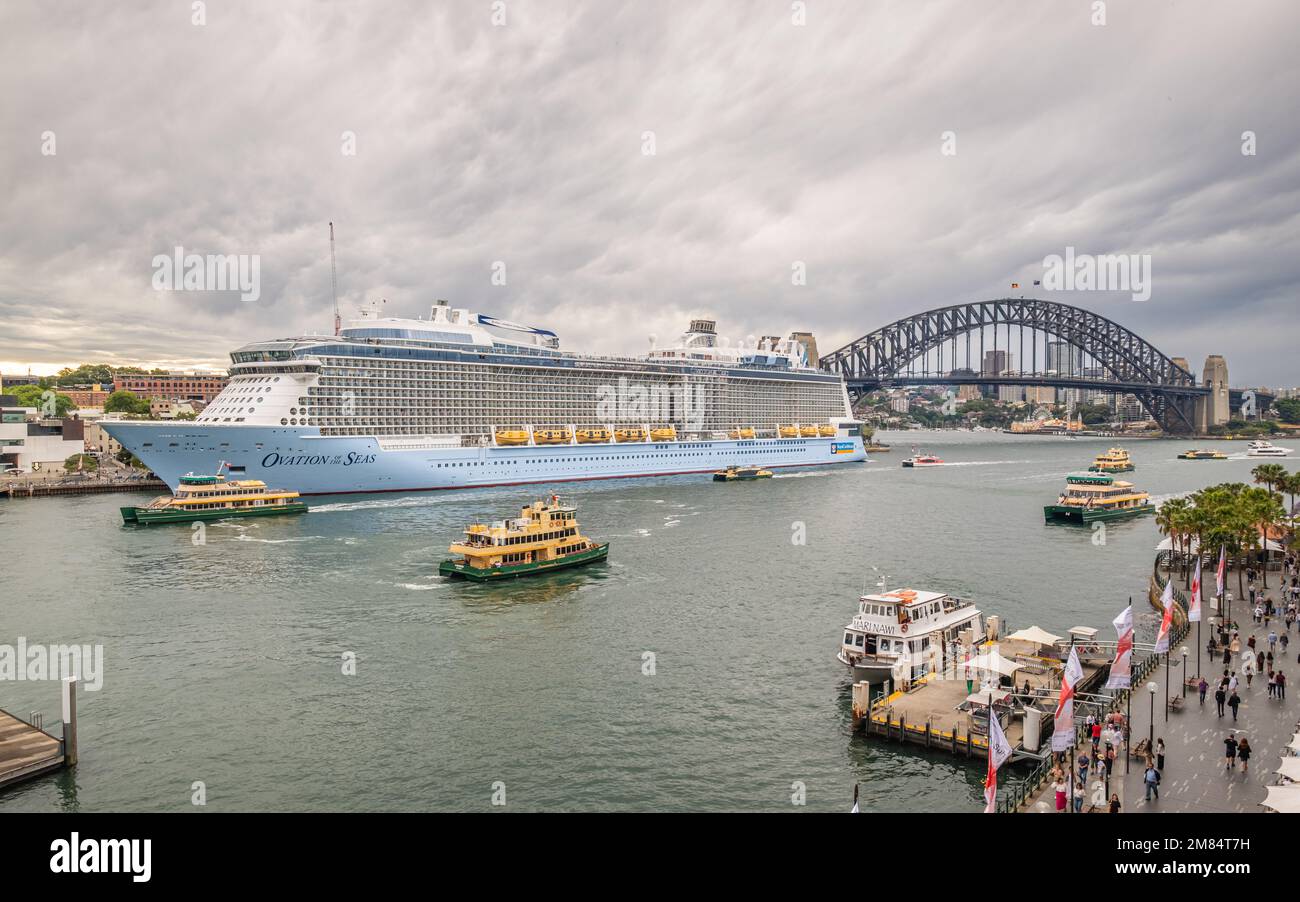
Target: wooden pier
{"x":928,"y":712}
{"x":26,"y":751}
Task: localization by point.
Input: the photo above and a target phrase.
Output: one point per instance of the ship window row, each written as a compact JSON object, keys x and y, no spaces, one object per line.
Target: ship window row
{"x":538,"y":537}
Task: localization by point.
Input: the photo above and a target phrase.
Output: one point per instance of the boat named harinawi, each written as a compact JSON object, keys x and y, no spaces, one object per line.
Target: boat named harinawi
{"x":1206,"y":454}
{"x":1116,"y":460}
{"x":214,"y":498}
{"x":459,"y":399}
{"x":544,"y":537}
{"x":741,"y":474}
{"x":904,"y":634}
{"x":1090,"y":497}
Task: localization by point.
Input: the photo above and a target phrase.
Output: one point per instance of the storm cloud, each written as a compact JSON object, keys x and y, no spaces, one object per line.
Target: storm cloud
{"x":783,"y":135}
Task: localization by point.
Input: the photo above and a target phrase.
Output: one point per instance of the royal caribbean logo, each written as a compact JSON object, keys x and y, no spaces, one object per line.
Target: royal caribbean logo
{"x":841,"y":447}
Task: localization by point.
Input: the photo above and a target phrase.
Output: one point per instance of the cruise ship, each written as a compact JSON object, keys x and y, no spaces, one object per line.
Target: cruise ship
{"x":463,"y":399}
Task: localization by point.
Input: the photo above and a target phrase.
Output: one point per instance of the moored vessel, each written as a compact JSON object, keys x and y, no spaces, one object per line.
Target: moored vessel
{"x":214,"y":498}
{"x":1115,"y":460}
{"x":1090,"y":497}
{"x":544,"y":537}
{"x":904,"y":634}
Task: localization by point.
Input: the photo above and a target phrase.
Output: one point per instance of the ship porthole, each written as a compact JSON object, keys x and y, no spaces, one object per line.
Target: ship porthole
{"x":284,"y":421}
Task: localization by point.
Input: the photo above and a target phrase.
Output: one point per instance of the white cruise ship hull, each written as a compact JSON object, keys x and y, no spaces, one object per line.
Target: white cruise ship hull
{"x":301,"y":460}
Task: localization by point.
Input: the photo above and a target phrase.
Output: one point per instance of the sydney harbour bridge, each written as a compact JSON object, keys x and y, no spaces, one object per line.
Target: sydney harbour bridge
{"x":1031,"y":342}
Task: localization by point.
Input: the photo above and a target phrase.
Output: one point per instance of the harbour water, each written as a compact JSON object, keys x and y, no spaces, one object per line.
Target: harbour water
{"x":694,"y":671}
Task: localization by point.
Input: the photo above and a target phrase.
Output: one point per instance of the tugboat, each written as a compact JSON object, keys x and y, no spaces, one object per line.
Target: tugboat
{"x":1262,"y":448}
{"x":735,"y":474}
{"x":214,"y":498}
{"x":544,"y":537}
{"x":1116,"y":460}
{"x":1203,"y":455}
{"x":923,"y":460}
{"x":903,"y":634}
{"x":1089,"y":497}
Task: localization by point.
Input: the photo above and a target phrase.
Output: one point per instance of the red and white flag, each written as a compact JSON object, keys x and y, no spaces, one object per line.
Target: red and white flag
{"x":1063,"y":722}
{"x":1121,"y":669}
{"x":1222,"y":570}
{"x":1194,"y":609}
{"x":1167,"y":602}
{"x":999,"y":752}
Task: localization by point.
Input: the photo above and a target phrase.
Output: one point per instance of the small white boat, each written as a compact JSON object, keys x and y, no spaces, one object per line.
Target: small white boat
{"x":905,"y":634}
{"x":1262,"y":448}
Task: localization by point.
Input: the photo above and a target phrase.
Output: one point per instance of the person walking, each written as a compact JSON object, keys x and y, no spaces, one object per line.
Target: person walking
{"x":1280,"y":691}
{"x":1114,"y":806}
{"x":1151,"y":779}
{"x":1219,"y":698}
{"x":1202,"y":687}
{"x":1234,"y":700}
{"x":1243,"y":752}
{"x":1229,"y":753}
{"x":1078,"y":798}
{"x":1160,"y":755}
{"x":1059,"y":788}
{"x":1232,"y":683}
{"x":1096,"y":735}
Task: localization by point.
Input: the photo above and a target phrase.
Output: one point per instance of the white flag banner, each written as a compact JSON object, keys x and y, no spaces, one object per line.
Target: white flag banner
{"x":1166,"y":621}
{"x":999,"y":752}
{"x":1063,"y":722}
{"x":1121,"y":669}
{"x":1220,"y":572}
{"x":1194,"y":606}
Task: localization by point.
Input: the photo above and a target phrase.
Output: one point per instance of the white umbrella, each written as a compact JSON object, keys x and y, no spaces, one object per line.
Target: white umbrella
{"x":1290,"y":768}
{"x":1036,"y":635}
{"x":994,"y":662}
{"x":1295,"y":743}
{"x":1284,"y":799}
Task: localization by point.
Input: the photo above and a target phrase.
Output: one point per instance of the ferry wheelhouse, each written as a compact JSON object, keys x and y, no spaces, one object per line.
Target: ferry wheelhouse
{"x":214,"y":498}
{"x":903,"y":634}
{"x":1089,"y":497}
{"x":544,"y":537}
{"x":1116,"y":460}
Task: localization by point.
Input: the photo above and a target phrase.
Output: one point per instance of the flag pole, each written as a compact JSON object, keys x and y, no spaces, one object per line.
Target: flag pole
{"x":1128,"y":714}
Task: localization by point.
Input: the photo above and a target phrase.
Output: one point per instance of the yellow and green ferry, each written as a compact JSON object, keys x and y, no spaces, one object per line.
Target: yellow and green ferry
{"x":1116,"y":460}
{"x":1092,"y":497}
{"x":214,"y":498}
{"x":544,"y":537}
{"x":741,"y":474}
{"x":1208,"y":454}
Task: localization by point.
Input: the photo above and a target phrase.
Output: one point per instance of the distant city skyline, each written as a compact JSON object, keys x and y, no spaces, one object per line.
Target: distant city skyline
{"x":611,"y":173}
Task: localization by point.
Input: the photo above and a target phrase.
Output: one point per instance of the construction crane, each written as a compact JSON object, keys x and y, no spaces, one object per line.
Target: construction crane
{"x":334,"y":284}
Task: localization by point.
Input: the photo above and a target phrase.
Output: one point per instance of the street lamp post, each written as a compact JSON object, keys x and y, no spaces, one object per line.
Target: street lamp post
{"x":1184,"y":671}
{"x":1166,"y":690}
{"x":1151,"y":737}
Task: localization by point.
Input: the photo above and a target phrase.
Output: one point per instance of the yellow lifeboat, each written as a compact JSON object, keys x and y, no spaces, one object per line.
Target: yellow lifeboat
{"x":745,"y":432}
{"x":512,"y":437}
{"x":663,"y":434}
{"x":826,"y":430}
{"x":550,"y":436}
{"x":592,"y":436}
{"x":629,"y":435}
{"x":788,"y":432}
{"x":808,"y":431}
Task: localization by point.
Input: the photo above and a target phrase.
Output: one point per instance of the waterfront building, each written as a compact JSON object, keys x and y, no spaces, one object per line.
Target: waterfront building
{"x":98,"y":441}
{"x":36,"y":444}
{"x":171,"y":386}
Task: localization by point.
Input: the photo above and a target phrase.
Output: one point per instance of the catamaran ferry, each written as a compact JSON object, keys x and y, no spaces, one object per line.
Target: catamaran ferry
{"x":463,"y":399}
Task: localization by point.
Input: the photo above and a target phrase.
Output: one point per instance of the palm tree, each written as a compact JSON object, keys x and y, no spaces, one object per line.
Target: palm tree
{"x":1269,"y":475}
{"x":1264,"y":511}
{"x":1291,"y":485}
{"x":1169,"y":520}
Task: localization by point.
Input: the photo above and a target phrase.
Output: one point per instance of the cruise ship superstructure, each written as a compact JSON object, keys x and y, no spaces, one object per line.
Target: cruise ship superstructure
{"x":463,"y":399}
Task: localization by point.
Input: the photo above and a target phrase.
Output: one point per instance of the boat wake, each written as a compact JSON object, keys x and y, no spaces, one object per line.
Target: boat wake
{"x":380,"y":504}
{"x":244,"y":538}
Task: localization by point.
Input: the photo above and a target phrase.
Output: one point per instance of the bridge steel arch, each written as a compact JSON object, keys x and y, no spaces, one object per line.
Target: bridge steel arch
{"x":1166,"y":390}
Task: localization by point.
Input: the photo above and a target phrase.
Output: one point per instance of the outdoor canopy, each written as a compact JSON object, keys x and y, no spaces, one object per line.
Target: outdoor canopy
{"x":1290,"y":768}
{"x":1036,"y":635}
{"x":1285,"y":799}
{"x":993,"y":661}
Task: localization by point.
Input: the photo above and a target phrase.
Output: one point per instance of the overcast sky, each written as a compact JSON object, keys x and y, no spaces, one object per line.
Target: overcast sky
{"x":525,"y":143}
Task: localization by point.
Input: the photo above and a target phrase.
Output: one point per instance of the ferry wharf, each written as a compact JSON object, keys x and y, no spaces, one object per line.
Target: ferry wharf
{"x":27,"y":751}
